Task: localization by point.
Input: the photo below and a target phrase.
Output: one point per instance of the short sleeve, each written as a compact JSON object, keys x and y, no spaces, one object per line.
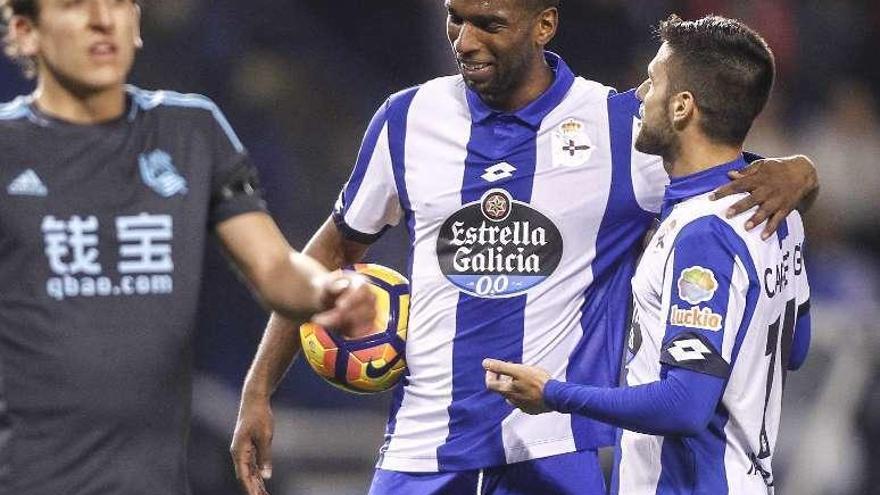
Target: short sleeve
{"x":369,"y":204}
{"x":234,"y":180}
{"x":709,"y":291}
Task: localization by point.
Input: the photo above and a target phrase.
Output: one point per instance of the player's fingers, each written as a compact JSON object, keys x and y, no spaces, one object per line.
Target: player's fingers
{"x":763,"y":212}
{"x":745,"y":183}
{"x":331,"y":318}
{"x":245,"y":469}
{"x":773,"y":224}
{"x":751,"y":169}
{"x":263,"y":443}
{"x":745,"y":204}
{"x":501,"y":367}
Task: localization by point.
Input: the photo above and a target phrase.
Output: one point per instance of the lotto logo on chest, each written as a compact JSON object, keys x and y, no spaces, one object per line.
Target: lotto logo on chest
{"x":498,"y":247}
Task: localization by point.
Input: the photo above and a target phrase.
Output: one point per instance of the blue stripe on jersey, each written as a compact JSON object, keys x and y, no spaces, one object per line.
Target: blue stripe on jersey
{"x":606,"y":300}
{"x":492,"y":327}
{"x":680,"y":457}
{"x":148,"y":100}
{"x":397,"y":111}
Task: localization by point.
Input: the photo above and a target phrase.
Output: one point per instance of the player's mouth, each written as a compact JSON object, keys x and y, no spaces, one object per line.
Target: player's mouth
{"x":476,"y":71}
{"x":103,"y":51}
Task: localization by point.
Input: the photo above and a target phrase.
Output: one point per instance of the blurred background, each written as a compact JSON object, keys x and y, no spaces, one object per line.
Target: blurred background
{"x":300,"y":80}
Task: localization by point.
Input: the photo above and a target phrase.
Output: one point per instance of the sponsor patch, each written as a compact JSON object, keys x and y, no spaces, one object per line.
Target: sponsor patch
{"x":695,"y":317}
{"x":697,"y":284}
{"x":497,"y":246}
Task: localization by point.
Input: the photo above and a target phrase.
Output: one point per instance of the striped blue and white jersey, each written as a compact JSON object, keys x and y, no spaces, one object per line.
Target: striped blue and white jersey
{"x":713,"y":298}
{"x":524,"y":230}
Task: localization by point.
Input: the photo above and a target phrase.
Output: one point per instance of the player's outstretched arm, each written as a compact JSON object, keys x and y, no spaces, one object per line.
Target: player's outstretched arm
{"x":252,"y":440}
{"x":776,"y":186}
{"x":680,"y":404}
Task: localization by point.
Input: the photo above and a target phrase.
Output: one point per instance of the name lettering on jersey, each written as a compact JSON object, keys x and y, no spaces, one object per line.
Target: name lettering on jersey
{"x":776,"y":277}
{"x":695,"y":317}
{"x":498,"y":171}
{"x":498,"y":247}
{"x":144,"y":261}
{"x":571,"y":144}
{"x":697,"y":284}
{"x":158,"y":172}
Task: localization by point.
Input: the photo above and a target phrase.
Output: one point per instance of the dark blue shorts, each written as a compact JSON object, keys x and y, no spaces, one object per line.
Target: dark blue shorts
{"x":567,"y":474}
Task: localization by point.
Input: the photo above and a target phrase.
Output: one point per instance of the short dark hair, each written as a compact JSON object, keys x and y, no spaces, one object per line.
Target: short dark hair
{"x":26,"y":8}
{"x":727,"y":66}
{"x":540,"y":5}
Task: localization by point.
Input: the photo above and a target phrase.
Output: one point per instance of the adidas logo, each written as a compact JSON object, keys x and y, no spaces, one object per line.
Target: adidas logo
{"x":28,"y":183}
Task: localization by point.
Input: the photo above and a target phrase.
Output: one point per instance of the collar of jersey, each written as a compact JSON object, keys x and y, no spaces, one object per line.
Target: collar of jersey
{"x":688,"y":186}
{"x":533,"y":113}
{"x":43,"y":119}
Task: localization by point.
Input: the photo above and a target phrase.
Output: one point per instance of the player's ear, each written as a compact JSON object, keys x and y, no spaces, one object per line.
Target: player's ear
{"x":138,"y":41}
{"x":682,"y":107}
{"x":548,"y":21}
{"x":22,"y":37}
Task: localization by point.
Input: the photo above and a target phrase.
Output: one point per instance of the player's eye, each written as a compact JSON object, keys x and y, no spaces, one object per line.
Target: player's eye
{"x":493,"y":27}
{"x":454,"y":19}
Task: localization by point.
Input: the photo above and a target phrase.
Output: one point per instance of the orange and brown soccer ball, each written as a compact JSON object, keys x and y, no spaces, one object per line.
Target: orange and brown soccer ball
{"x":370,"y":364}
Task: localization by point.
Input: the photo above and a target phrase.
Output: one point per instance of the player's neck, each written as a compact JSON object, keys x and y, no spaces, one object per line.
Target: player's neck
{"x":540,"y":78}
{"x":696,"y":155}
{"x":79,"y":107}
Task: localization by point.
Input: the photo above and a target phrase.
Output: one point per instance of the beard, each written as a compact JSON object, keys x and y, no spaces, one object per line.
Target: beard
{"x":658,"y":138}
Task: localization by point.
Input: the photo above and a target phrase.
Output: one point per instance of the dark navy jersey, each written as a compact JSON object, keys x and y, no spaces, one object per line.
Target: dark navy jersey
{"x":102,"y":234}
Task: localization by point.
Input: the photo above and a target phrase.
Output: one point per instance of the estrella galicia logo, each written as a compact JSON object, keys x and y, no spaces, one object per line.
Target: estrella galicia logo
{"x":498,"y":247}
{"x":159,"y":173}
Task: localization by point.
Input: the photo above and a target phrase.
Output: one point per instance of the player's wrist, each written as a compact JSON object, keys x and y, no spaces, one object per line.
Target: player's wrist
{"x":551,"y":392}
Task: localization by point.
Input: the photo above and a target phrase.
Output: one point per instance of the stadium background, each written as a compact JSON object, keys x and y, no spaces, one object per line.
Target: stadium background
{"x":300,"y":80}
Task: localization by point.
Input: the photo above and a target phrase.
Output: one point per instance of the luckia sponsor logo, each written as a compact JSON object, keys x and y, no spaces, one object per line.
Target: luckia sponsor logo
{"x":695,"y":317}
{"x":497,"y":246}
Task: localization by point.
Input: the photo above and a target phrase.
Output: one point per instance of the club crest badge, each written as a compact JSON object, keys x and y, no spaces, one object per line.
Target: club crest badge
{"x":571,"y":144}
{"x":160,"y":175}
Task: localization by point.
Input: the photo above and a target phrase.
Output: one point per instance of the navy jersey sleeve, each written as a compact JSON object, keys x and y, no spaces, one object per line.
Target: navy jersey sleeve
{"x":234,"y":182}
{"x":368,"y":204}
{"x":682,"y":403}
{"x":709,"y":291}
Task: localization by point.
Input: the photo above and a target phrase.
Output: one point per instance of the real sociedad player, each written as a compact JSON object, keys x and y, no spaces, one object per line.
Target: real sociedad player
{"x":109,"y":196}
{"x":720,"y":314}
{"x":526,"y":206}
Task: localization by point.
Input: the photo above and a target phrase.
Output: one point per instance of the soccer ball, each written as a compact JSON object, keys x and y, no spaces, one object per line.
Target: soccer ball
{"x":370,"y":364}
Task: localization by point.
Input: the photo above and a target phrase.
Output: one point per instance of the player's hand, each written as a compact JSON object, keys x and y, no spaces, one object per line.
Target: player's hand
{"x":521,"y":385}
{"x":350,"y":306}
{"x":775,"y":186}
{"x":252,"y":445}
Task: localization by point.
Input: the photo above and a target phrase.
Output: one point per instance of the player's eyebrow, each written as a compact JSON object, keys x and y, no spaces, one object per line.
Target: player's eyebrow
{"x":478,"y":19}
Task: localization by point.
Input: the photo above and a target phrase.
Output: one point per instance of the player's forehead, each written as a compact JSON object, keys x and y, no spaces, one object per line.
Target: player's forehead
{"x":657,"y":65}
{"x":499,"y":8}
